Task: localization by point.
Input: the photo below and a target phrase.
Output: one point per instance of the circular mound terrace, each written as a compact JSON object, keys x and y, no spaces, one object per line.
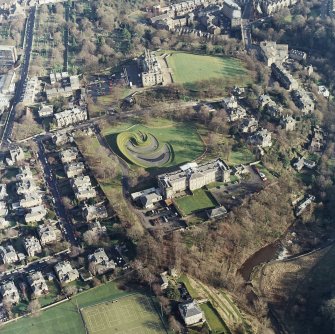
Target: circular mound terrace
{"x":143,"y":149}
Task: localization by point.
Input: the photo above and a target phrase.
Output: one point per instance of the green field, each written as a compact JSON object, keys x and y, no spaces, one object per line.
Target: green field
{"x":182,"y":139}
{"x":190,"y":68}
{"x":215,"y":323}
{"x":132,"y":314}
{"x":64,"y":318}
{"x":200,"y":200}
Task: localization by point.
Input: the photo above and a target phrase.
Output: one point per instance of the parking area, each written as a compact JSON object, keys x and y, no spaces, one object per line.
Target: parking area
{"x":162,"y":216}
{"x":233,"y":194}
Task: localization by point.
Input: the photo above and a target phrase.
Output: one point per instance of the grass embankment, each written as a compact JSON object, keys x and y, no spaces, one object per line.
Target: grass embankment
{"x":107,"y":171}
{"x":190,"y":68}
{"x":183,"y":138}
{"x":64,"y":318}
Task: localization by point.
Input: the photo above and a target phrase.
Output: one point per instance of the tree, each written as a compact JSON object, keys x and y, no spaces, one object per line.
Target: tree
{"x":34,"y":307}
{"x":70,"y":290}
{"x":172,"y":292}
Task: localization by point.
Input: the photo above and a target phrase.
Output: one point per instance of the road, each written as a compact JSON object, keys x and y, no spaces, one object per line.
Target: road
{"x":20,"y":86}
{"x":49,"y":177}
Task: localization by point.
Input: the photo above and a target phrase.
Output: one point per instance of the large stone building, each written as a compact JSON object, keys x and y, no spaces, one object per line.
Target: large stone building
{"x":70,"y":117}
{"x":9,"y":292}
{"x":151,"y":73}
{"x":65,"y":272}
{"x":37,"y":283}
{"x":233,"y":11}
{"x":8,"y":55}
{"x":191,"y":313}
{"x":269,"y":7}
{"x":272,"y":52}
{"x":192,"y":176}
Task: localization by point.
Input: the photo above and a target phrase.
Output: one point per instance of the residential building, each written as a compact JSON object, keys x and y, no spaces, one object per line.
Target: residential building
{"x":60,"y":139}
{"x":272,"y":52}
{"x":9,"y":292}
{"x":303,"y":101}
{"x":47,"y":234}
{"x":3,"y":209}
{"x":70,"y":117}
{"x":37,"y":284}
{"x":151,"y":73}
{"x":69,"y":155}
{"x":46,"y":110}
{"x":65,"y":272}
{"x":233,"y":11}
{"x":8,"y":55}
{"x":26,"y":187}
{"x":93,"y":212}
{"x":83,"y":188}
{"x":301,"y":162}
{"x":101,"y":262}
{"x":7,"y":89}
{"x":191,"y":313}
{"x":236,"y":114}
{"x":4,"y":224}
{"x":268,"y":7}
{"x":288,"y":123}
{"x":16,"y":154}
{"x":261,"y":138}
{"x":284,"y":78}
{"x":3,"y":191}
{"x":74,"y":169}
{"x":249,"y":125}
{"x":30,"y":200}
{"x":323,"y":90}
{"x":36,"y":214}
{"x":32,"y":246}
{"x":264,"y":100}
{"x":317,"y":142}
{"x":229,"y":103}
{"x":164,"y":280}
{"x":30,"y":91}
{"x":53,"y":93}
{"x":304,"y":204}
{"x":297,"y":55}
{"x":8,"y":254}
{"x":192,"y":176}
{"x":25,"y":173}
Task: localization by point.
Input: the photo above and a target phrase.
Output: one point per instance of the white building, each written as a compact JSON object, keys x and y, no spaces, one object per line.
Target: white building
{"x":32,"y":246}
{"x":191,"y":313}
{"x":65,"y":272}
{"x":9,"y":292}
{"x":37,"y":284}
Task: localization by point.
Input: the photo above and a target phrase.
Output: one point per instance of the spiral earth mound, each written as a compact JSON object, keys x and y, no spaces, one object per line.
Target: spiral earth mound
{"x":143,"y":149}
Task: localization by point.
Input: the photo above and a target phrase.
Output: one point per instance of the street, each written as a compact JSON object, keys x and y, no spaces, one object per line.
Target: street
{"x":20,"y":86}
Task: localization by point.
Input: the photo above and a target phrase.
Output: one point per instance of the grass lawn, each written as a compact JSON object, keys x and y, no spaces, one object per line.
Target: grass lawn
{"x":183,"y":138}
{"x":240,"y":156}
{"x":135,"y":313}
{"x":64,"y":318}
{"x":200,"y":200}
{"x":215,"y":323}
{"x":189,"y":68}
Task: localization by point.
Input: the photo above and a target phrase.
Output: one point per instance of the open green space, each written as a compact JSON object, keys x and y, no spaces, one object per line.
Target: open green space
{"x":239,"y":156}
{"x":135,"y":313}
{"x":189,"y":68}
{"x":181,"y":139}
{"x":215,"y":323}
{"x":200,"y":200}
{"x":64,"y":318}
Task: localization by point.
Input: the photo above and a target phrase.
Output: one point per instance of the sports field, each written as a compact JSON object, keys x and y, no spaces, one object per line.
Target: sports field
{"x":134,"y":314}
{"x":190,"y":68}
{"x":200,"y":200}
{"x":64,"y":318}
{"x":171,"y":143}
